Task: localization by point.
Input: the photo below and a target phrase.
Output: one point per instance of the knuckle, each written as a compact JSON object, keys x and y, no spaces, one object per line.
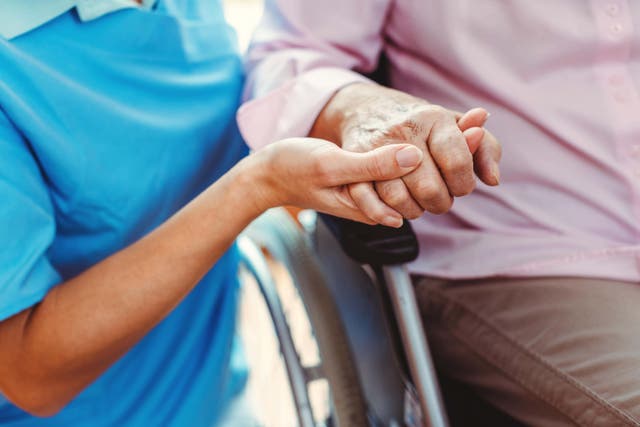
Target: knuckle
{"x":456,"y":163}
{"x":413,"y":127}
{"x":395,"y":200}
{"x":428,"y":191}
{"x":399,"y":198}
{"x":435,"y":110}
{"x":415,"y":123}
{"x":464,"y":189}
{"x":433,"y":197}
{"x":447,"y":144}
{"x":397,"y":133}
{"x":392,"y":194}
{"x":431,"y":114}
{"x":440,"y":207}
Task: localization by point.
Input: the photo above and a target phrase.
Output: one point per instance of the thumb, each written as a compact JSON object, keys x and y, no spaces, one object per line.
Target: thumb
{"x":382,"y":164}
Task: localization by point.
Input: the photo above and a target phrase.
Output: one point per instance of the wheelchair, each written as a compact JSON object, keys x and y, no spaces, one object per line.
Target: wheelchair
{"x":363,"y":314}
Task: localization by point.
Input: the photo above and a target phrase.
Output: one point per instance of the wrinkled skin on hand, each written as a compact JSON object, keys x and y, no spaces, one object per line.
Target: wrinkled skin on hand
{"x":363,"y":117}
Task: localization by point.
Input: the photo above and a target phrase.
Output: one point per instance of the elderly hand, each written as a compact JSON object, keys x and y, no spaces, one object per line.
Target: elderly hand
{"x":362,"y":117}
{"x":313,"y":173}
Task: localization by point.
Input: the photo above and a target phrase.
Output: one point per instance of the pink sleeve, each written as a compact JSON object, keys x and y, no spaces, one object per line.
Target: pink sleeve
{"x":301,"y":54}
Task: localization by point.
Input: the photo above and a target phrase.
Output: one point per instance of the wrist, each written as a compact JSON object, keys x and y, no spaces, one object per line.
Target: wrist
{"x":339,"y":110}
{"x":253,"y":178}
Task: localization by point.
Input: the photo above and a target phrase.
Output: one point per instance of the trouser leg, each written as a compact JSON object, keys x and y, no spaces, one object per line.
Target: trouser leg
{"x":549,"y":352}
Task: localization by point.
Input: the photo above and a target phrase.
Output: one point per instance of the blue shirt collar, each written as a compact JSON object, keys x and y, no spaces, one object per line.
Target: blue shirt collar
{"x":21,"y":16}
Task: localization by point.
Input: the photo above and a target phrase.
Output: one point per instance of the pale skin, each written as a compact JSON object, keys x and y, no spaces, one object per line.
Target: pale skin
{"x":362,"y":117}
{"x":53,"y":350}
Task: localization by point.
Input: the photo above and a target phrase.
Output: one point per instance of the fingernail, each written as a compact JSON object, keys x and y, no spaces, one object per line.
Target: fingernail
{"x":408,"y":157}
{"x":495,"y":173}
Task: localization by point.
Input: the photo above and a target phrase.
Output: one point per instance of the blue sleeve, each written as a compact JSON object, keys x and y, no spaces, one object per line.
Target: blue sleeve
{"x":27,"y":225}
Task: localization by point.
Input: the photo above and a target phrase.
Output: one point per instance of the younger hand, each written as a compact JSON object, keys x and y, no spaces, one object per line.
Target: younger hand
{"x":314,"y":173}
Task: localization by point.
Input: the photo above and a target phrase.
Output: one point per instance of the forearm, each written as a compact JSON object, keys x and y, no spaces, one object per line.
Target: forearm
{"x":55,"y":349}
{"x":49,"y":353}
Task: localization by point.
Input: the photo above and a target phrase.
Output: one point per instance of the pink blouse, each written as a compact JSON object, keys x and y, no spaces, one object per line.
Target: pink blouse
{"x":561,"y":80}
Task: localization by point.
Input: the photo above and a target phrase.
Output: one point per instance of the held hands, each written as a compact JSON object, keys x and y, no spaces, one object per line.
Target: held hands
{"x":363,"y":117}
{"x":314,"y":173}
{"x":400,"y":157}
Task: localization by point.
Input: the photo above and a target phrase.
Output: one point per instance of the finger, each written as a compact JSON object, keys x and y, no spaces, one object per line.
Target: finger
{"x":487,"y":159}
{"x":396,"y":195}
{"x":381,"y":164}
{"x":476,"y":117}
{"x":449,"y":150}
{"x":367,"y":200}
{"x":428,"y":188}
{"x":473,"y":136}
{"x":346,"y":207}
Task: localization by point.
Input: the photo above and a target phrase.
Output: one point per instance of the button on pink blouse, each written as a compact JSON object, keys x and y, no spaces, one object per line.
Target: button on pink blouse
{"x":561,"y":80}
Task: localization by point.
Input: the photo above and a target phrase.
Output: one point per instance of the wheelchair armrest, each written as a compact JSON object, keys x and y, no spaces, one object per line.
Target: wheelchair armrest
{"x":374,"y":244}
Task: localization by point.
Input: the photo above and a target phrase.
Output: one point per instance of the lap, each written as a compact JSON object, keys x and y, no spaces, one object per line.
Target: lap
{"x":552,"y":351}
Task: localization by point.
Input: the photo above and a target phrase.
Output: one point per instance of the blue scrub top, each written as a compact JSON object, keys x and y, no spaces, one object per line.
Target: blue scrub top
{"x":106,"y":129}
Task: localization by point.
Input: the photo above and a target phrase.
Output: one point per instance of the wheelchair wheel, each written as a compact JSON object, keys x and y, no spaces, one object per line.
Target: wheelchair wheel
{"x":278,"y":233}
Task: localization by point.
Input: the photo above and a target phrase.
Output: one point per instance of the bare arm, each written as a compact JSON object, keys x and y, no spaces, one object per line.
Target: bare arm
{"x":53,"y":350}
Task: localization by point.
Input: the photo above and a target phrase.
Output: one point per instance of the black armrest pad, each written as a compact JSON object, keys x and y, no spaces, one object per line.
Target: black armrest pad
{"x":375,"y":245}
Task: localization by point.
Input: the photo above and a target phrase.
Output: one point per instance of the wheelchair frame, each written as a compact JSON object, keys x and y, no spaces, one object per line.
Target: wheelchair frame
{"x":385,"y":251}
